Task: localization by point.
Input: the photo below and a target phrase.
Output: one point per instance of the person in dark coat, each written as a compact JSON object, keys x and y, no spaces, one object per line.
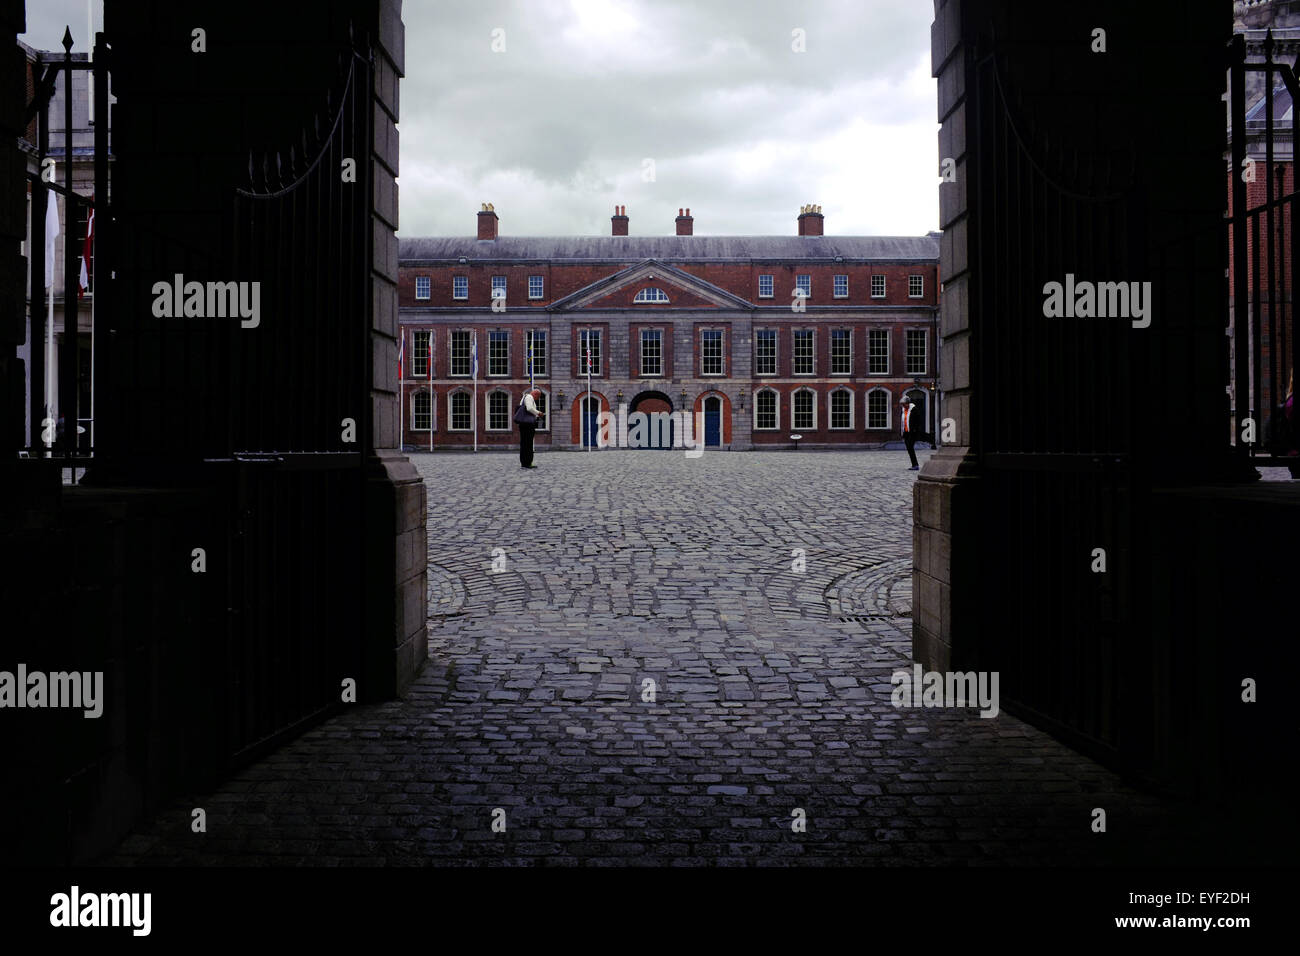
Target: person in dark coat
{"x":526,"y":416}
{"x":912,"y":432}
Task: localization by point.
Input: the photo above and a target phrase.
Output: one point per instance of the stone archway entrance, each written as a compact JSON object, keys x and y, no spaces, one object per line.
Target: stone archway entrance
{"x":660,"y":430}
{"x":713,"y":421}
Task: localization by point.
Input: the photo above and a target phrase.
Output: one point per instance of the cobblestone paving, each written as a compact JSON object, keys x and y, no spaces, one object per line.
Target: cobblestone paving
{"x":772,"y":693}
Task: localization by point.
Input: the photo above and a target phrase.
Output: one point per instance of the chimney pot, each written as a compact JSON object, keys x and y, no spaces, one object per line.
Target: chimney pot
{"x":685,"y":223}
{"x":487,"y":222}
{"x":811,"y":222}
{"x":618,"y":221}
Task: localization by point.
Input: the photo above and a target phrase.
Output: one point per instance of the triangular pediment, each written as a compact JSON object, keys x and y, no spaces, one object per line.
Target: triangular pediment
{"x":684,"y":291}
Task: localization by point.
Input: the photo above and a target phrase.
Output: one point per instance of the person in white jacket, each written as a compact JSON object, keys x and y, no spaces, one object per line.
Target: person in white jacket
{"x":526,"y":416}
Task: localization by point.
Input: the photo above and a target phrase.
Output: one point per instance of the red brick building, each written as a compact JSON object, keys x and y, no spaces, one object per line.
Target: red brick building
{"x":1271,"y":295}
{"x":709,"y":325}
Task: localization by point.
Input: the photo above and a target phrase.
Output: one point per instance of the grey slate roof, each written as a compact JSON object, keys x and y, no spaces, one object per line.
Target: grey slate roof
{"x":668,"y":248}
{"x":1255,"y":116}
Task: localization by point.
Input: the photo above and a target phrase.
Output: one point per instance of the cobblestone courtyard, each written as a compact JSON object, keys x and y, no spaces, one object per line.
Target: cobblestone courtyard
{"x":772,"y":692}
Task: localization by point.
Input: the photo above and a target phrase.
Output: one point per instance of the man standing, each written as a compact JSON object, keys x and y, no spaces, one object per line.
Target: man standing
{"x":912,"y":432}
{"x":526,"y":416}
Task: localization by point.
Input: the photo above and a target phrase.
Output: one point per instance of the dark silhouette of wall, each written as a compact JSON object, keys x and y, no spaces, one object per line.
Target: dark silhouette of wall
{"x":268,"y":447}
{"x":1078,"y":434}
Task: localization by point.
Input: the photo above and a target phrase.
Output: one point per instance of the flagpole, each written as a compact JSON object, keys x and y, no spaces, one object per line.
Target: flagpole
{"x":49,"y":367}
{"x":52,"y":230}
{"x":431,"y":390}
{"x":475,"y":420}
{"x":92,"y":373}
{"x":586,"y":415}
{"x":86,"y":252}
{"x":90,"y":86}
{"x":401,"y":394}
{"x":90,"y":212}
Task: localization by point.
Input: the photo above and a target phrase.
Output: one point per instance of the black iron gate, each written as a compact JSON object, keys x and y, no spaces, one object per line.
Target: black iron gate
{"x":1263,"y":236}
{"x":298,"y":400}
{"x":1054,"y":445}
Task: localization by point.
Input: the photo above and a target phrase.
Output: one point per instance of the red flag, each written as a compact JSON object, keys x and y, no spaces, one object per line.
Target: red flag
{"x":87,"y":252}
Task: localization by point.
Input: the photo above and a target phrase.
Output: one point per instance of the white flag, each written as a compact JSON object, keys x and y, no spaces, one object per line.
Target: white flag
{"x":51,"y":233}
{"x":473,"y":354}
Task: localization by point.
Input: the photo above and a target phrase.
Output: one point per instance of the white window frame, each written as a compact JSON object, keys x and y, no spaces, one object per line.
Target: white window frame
{"x":722,"y":353}
{"x":451,"y":353}
{"x":544,"y":371}
{"x":830,"y":409}
{"x":487,"y":411}
{"x":917,"y":281}
{"x":776,"y":358}
{"x":888,"y":342}
{"x":540,"y":285}
{"x":925,"y":352}
{"x":889,"y":402}
{"x":794,"y":426}
{"x":794,"y":354}
{"x":432,"y":405}
{"x":837,"y":281}
{"x":651,"y":293}
{"x":460,"y":287}
{"x":425,"y":282}
{"x":498,"y":287}
{"x":770,"y":283}
{"x":803,"y":282}
{"x":499,"y":333}
{"x":451,"y":410}
{"x":849,"y":333}
{"x":599,"y":358}
{"x":776,"y":399}
{"x":640,"y":335}
{"x":878,"y":279}
{"x":418,"y":353}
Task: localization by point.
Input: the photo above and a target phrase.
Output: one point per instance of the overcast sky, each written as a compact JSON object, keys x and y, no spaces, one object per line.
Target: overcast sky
{"x":555,"y":129}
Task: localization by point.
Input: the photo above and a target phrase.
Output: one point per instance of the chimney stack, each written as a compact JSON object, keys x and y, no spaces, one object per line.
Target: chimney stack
{"x":685,"y":223}
{"x":811,"y":220}
{"x":618,"y":221}
{"x":487,"y":222}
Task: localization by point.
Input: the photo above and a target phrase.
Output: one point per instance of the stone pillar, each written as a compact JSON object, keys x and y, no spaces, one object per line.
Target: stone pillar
{"x":742,"y":383}
{"x":396,"y":541}
{"x":945,"y":496}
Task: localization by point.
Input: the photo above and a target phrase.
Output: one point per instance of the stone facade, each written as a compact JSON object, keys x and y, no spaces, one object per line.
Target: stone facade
{"x":726,"y":291}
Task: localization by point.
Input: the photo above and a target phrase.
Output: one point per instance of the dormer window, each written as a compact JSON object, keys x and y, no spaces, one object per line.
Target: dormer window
{"x":651,"y":294}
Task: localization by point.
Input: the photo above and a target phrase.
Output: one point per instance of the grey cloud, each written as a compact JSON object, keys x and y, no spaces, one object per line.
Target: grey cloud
{"x":694,"y":79}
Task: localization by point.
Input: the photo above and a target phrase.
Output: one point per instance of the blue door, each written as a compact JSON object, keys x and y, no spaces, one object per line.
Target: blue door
{"x":591,"y":427}
{"x":713,"y":421}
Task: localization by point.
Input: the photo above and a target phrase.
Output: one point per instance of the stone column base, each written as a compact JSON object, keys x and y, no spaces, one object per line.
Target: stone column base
{"x":396,"y":555}
{"x":945,"y":506}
